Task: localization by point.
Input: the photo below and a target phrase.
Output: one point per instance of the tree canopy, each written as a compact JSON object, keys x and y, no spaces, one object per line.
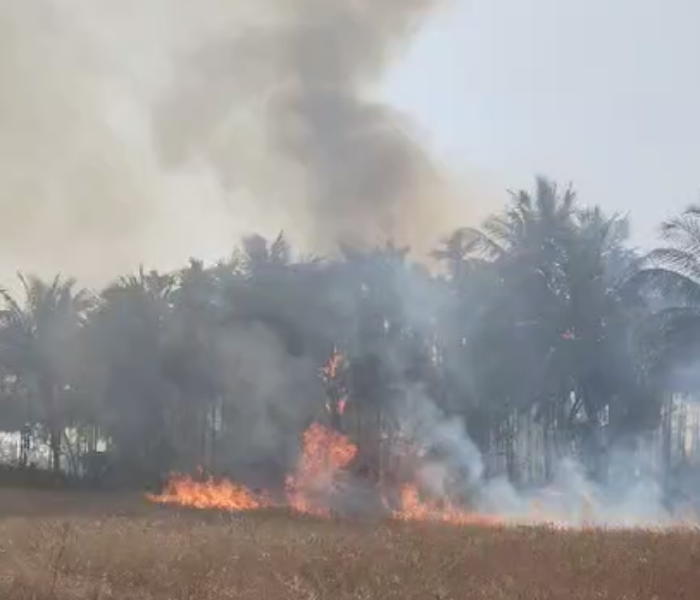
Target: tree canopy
{"x":543,"y":312}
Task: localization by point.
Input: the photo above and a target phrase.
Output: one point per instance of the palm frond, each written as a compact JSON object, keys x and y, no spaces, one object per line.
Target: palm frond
{"x":683,"y":231}
{"x":676,"y":259}
{"x":673,"y":286}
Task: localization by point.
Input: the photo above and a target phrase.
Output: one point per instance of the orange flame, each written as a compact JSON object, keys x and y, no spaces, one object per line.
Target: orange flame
{"x":183,"y":490}
{"x":318,"y":476}
{"x":331,"y":369}
{"x":330,"y":372}
{"x":414,"y":508}
{"x":325,"y":453}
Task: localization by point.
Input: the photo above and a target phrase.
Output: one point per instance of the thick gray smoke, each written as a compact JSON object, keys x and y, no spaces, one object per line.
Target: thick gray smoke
{"x":150,"y":131}
{"x":342,"y":165}
{"x":273,"y":394}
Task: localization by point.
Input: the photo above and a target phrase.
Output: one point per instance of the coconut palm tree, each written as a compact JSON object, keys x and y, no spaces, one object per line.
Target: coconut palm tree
{"x":38,"y":333}
{"x":127,"y":335}
{"x":527,"y":244}
{"x":556,"y":325}
{"x":670,"y":279}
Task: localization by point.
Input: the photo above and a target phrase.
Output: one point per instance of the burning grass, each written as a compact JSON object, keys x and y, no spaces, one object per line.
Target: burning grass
{"x":309,"y":491}
{"x":156,"y":553}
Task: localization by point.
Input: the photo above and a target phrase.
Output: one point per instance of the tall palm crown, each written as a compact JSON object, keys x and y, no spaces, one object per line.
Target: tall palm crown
{"x":37,"y":333}
{"x":670,"y":278}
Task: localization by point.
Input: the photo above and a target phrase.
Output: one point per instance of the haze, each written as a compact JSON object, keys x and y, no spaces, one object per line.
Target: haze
{"x":602,"y":94}
{"x":143,"y":132}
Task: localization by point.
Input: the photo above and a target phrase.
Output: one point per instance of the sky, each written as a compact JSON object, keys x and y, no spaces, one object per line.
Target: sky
{"x":605,"y":95}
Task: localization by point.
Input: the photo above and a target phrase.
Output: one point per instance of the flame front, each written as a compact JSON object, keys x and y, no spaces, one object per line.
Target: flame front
{"x":325,"y":454}
{"x":319,"y":474}
{"x":414,"y":508}
{"x":322,"y":472}
{"x":183,"y":490}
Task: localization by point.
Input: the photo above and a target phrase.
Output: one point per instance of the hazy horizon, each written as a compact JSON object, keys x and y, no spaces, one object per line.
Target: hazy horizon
{"x":602,"y":95}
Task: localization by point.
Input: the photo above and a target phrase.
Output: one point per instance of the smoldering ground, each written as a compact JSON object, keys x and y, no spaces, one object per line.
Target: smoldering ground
{"x":145,"y":132}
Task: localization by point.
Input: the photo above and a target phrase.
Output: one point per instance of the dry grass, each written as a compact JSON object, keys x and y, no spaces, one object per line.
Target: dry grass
{"x":70,"y":547}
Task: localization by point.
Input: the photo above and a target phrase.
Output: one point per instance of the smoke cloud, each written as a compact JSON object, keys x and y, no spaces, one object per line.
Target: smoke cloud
{"x":452,"y":466}
{"x":273,"y":395}
{"x":571,"y":500}
{"x":150,"y":131}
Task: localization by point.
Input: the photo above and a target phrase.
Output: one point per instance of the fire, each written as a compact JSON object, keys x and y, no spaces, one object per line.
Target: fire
{"x":183,"y":490}
{"x":325,"y":453}
{"x":331,"y":369}
{"x":414,"y":508}
{"x":320,"y":474}
{"x":330,"y":373}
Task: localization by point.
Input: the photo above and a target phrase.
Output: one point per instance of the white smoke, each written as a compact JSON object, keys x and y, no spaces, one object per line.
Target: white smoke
{"x":571,"y":499}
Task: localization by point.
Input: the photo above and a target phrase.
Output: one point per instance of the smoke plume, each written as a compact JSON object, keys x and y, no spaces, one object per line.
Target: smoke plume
{"x":149,"y":131}
{"x":572,"y":499}
{"x":632,"y":495}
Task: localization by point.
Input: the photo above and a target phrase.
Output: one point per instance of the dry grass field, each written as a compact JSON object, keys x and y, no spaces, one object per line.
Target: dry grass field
{"x":73,"y":546}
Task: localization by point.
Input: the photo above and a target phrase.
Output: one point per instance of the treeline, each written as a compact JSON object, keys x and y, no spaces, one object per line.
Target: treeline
{"x":544,"y":310}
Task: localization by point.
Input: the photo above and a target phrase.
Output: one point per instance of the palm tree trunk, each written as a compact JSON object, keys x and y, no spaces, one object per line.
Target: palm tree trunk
{"x":55,"y":444}
{"x":666,"y":441}
{"x":511,"y":453}
{"x":549,"y":435}
{"x":53,"y":424}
